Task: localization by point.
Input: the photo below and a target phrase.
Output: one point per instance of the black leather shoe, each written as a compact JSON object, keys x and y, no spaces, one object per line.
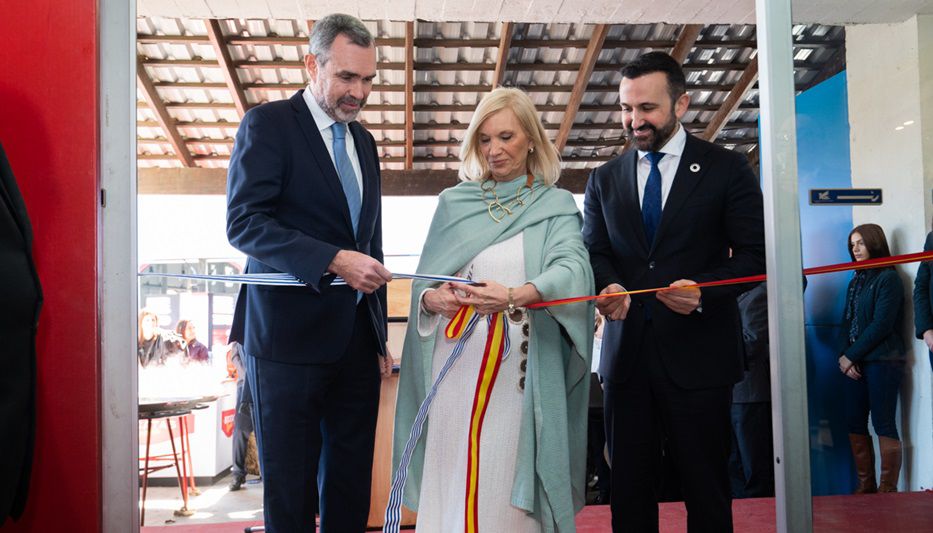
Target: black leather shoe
{"x":237,"y":483}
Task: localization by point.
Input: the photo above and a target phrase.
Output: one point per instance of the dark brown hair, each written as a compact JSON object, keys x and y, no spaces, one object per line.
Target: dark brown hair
{"x":873,"y":237}
{"x":181,"y":326}
{"x":658,"y":62}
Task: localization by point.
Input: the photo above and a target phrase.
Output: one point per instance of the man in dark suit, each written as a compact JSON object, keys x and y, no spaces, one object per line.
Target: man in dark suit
{"x":751,"y":463}
{"x":666,"y":215}
{"x":923,"y":299}
{"x":19,"y":318}
{"x":303,"y":197}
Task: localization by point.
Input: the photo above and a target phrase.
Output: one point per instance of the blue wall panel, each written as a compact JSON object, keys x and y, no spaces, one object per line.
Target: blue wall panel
{"x":823,"y":162}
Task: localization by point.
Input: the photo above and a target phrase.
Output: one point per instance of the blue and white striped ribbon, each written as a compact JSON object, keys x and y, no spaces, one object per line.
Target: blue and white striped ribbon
{"x":287,"y":280}
{"x":393,"y":515}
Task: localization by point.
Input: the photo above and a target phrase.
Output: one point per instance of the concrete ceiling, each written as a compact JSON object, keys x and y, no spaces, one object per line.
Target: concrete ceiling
{"x":572,"y":11}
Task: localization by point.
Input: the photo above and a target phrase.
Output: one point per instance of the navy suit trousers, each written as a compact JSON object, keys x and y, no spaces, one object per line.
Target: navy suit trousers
{"x":315,"y":428}
{"x":642,"y":413}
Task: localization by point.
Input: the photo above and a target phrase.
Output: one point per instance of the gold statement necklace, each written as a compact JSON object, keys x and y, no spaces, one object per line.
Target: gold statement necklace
{"x":500,"y":208}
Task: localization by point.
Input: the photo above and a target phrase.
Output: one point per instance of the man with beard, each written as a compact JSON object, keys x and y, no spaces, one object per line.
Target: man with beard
{"x":665,"y":215}
{"x":303,"y":197}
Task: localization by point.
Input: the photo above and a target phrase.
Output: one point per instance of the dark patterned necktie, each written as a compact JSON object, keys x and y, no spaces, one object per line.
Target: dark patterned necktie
{"x":651,"y":202}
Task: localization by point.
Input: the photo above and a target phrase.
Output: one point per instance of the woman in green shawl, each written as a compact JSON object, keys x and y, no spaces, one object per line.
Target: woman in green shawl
{"x":504,"y":445}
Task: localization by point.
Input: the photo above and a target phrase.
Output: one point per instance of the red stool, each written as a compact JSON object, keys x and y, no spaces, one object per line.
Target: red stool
{"x":181,"y":463}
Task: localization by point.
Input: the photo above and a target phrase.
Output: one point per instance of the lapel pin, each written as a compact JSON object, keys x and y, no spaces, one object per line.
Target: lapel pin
{"x":694,"y":167}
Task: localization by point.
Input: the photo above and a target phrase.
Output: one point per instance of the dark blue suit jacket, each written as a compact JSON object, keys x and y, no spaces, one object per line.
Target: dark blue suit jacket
{"x":286,"y":210}
{"x":923,"y":294}
{"x":715,"y":207}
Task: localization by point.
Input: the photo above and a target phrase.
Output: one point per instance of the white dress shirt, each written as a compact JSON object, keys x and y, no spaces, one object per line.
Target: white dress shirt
{"x":672,"y":150}
{"x":324,"y":122}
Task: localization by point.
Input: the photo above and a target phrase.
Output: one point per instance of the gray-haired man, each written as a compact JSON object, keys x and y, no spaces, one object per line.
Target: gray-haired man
{"x":303,"y":197}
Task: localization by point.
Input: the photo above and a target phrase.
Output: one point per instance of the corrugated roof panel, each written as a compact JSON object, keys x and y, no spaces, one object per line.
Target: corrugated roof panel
{"x":550,"y":88}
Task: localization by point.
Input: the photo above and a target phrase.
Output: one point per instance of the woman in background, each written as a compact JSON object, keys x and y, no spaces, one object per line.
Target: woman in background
{"x":197,"y":352}
{"x":153,"y":345}
{"x":873,"y":359}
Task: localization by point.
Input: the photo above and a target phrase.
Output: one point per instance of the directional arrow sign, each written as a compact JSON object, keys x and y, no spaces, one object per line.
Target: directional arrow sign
{"x":845,"y":196}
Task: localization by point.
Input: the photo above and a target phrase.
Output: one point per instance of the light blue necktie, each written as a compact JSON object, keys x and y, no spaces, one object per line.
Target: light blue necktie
{"x":651,"y":202}
{"x":351,"y":188}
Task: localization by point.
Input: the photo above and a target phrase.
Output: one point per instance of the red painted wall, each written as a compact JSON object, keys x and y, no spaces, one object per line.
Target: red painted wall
{"x":48,"y":127}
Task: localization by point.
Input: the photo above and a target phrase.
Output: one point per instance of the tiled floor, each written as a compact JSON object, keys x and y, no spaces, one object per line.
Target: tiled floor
{"x":215,"y":504}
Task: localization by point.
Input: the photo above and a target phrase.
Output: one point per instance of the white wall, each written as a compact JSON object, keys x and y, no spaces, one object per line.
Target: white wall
{"x":890,"y":86}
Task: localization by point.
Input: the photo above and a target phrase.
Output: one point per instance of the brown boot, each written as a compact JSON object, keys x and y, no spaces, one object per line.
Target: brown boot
{"x":890,"y":463}
{"x":864,"y":454}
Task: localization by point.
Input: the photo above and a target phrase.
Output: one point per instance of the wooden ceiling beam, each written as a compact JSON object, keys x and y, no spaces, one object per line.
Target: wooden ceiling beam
{"x":453,"y":67}
{"x":187,"y":124}
{"x":733,"y":100}
{"x":689,"y":33}
{"x":579,"y":87}
{"x":188,"y":141}
{"x":166,"y":122}
{"x":388,"y":87}
{"x":193,"y":105}
{"x":236,"y":40}
{"x":216,"y":36}
{"x":691,"y":126}
{"x":505,"y":44}
{"x":417,"y":182}
{"x":409,"y":94}
{"x":455,"y":126}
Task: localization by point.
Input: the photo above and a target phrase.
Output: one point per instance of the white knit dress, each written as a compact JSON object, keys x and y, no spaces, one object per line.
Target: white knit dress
{"x":443,"y":486}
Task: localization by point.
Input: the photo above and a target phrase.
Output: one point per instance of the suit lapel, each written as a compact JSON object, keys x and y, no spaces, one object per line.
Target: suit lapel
{"x":371,"y":188}
{"x":320,"y":154}
{"x":629,"y":189}
{"x":690,"y":171}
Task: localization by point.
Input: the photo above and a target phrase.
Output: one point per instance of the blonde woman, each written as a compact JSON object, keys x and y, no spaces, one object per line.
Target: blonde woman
{"x":153,"y":345}
{"x":521,"y":467}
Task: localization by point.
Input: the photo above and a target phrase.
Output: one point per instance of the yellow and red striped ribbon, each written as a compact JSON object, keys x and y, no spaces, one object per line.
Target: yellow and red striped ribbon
{"x":496,"y":342}
{"x":458,"y":323}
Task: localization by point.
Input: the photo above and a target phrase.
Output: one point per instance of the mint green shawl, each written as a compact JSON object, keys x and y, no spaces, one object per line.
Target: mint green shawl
{"x":550,"y":472}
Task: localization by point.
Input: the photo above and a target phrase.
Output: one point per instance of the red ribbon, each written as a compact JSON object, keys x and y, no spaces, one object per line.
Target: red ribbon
{"x":838,"y":267}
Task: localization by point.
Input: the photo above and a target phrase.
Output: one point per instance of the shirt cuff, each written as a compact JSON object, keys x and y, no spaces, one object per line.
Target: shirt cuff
{"x":427,"y":321}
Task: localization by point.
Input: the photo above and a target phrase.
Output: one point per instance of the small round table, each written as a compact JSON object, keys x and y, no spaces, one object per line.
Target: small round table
{"x":168,"y":409}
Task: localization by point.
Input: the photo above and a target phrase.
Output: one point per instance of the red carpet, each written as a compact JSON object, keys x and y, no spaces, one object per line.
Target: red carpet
{"x":910,"y":512}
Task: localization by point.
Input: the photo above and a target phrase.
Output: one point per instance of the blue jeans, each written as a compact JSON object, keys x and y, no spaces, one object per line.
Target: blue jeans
{"x":875,"y":392}
{"x":751,"y":464}
{"x":242,"y":427}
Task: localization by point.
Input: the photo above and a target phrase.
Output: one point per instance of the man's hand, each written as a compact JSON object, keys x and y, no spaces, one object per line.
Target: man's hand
{"x":615,"y":308}
{"x":360,"y":271}
{"x":928,"y":339}
{"x":443,"y":301}
{"x":683,"y":301}
{"x":386,"y":363}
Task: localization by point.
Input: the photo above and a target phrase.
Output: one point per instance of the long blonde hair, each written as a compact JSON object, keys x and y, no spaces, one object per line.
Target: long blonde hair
{"x":544,"y":161}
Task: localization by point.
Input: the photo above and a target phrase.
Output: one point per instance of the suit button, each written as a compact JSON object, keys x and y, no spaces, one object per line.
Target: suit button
{"x":651,"y":265}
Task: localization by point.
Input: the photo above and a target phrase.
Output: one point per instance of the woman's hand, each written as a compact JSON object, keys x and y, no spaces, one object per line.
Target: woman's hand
{"x":486,"y":297}
{"x":442,"y":300}
{"x":848,"y":368}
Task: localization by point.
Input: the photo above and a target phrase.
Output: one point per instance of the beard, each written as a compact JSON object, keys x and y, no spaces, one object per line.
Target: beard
{"x":334,"y":110}
{"x":658,"y":137}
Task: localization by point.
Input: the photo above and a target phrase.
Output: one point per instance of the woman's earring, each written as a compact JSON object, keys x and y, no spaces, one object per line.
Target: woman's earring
{"x":531,"y":150}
